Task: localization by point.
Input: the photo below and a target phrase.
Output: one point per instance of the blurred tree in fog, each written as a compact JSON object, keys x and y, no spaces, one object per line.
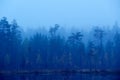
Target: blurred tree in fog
{"x":10,"y":43}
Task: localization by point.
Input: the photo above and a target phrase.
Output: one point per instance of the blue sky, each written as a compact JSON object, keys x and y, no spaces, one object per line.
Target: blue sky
{"x":35,"y":13}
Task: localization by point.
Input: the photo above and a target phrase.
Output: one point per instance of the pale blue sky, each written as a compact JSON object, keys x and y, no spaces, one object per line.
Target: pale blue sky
{"x":35,"y":13}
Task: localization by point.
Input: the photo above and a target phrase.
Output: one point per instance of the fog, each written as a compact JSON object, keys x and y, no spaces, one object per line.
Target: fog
{"x":60,"y":39}
{"x":68,"y":13}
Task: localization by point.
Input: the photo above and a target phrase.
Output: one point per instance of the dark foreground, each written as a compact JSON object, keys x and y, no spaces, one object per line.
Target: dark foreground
{"x":60,"y":75}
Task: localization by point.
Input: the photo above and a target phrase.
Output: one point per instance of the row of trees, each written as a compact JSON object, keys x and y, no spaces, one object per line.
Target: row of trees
{"x":52,"y":50}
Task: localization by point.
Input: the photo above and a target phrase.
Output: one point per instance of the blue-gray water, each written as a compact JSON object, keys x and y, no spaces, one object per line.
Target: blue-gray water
{"x":59,"y":77}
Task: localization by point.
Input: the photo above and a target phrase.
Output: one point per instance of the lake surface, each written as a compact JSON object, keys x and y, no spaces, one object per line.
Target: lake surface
{"x":70,"y":76}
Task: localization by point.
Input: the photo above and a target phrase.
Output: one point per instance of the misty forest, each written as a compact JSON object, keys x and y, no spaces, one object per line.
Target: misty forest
{"x":98,"y":48}
{"x":54,"y":49}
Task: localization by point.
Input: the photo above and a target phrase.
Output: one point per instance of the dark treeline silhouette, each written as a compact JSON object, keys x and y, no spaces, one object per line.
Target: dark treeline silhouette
{"x":53,"y":50}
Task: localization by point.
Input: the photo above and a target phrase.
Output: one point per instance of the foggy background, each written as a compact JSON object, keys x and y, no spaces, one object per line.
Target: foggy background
{"x":68,"y":13}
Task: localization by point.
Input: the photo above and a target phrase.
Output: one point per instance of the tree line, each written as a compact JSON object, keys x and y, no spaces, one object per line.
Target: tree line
{"x":99,"y":49}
